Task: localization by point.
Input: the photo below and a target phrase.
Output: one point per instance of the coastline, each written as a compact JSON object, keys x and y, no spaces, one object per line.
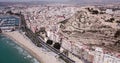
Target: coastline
{"x":24,"y":42}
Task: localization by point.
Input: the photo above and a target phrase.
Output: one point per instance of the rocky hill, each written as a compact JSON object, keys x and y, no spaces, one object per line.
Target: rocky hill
{"x":90,"y":27}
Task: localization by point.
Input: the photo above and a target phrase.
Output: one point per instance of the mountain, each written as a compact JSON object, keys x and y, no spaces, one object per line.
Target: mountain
{"x":78,"y":2}
{"x":94,"y":1}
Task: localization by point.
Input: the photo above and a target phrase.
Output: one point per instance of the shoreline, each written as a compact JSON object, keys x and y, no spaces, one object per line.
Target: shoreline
{"x":36,"y":52}
{"x":24,"y":47}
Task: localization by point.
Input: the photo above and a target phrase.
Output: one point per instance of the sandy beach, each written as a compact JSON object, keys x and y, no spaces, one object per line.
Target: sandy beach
{"x":39,"y":53}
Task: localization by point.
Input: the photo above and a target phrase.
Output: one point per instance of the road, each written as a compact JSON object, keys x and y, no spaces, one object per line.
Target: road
{"x":40,"y":43}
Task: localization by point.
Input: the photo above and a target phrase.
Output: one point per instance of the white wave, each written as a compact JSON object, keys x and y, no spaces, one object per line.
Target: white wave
{"x":34,"y":60}
{"x":10,"y":43}
{"x":29,"y":56}
{"x":20,"y":50}
{"x":26,"y":54}
{"x":7,"y":41}
{"x":25,"y":57}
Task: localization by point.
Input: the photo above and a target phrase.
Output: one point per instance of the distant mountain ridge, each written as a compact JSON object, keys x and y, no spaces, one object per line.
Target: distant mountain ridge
{"x":94,"y":1}
{"x":78,"y":2}
{"x":26,"y":3}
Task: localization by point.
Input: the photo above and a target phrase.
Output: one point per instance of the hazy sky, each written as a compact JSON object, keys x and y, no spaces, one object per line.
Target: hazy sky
{"x":63,"y":0}
{"x":33,"y":0}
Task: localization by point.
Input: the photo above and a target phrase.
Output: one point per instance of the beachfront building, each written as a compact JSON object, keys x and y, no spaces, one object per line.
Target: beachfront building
{"x":9,"y":23}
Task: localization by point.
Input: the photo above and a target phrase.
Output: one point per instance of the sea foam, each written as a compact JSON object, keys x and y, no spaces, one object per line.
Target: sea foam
{"x":20,"y":50}
{"x":26,"y":54}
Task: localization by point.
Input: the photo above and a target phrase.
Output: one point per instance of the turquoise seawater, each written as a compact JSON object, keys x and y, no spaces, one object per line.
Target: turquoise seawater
{"x":10,"y":52}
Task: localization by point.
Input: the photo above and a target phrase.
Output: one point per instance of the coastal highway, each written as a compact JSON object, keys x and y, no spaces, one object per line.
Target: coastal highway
{"x":40,"y":43}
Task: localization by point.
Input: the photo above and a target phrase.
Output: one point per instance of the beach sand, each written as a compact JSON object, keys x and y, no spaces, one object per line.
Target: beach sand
{"x":39,"y":53}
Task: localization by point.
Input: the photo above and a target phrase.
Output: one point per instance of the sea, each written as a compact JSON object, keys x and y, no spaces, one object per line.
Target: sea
{"x":10,"y":52}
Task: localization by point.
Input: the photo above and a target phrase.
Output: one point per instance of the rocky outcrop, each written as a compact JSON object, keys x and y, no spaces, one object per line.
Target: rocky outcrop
{"x":89,"y":28}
